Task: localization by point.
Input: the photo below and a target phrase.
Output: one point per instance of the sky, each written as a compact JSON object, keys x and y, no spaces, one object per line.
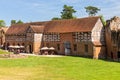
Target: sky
{"x":45,"y":10}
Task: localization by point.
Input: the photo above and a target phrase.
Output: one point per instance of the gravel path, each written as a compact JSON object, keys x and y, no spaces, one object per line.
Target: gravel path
{"x":42,"y":55}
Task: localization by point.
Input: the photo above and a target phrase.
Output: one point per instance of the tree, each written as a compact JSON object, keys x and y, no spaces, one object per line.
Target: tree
{"x":67,"y":12}
{"x":19,"y":22}
{"x":91,"y":10}
{"x":2,"y":23}
{"x":103,"y":20}
{"x":13,"y":22}
{"x":16,"y":22}
{"x":55,"y":18}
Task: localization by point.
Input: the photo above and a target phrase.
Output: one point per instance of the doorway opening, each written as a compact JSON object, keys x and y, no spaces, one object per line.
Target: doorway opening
{"x":118,"y":54}
{"x":67,"y":46}
{"x":111,"y":55}
{"x":30,"y":49}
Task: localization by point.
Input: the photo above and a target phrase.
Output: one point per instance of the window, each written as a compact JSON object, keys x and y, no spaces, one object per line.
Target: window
{"x":75,"y":47}
{"x":58,"y":46}
{"x":86,"y":48}
{"x":51,"y":37}
{"x":82,"y":36}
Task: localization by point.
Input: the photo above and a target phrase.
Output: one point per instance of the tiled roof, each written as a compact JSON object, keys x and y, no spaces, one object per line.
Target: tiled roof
{"x":37,"y":28}
{"x":22,"y":28}
{"x":72,"y":25}
{"x":17,"y":29}
{"x":58,"y":26}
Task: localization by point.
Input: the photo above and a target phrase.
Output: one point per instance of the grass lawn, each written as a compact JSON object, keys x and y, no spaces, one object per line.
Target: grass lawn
{"x":3,"y":52}
{"x":58,"y":68}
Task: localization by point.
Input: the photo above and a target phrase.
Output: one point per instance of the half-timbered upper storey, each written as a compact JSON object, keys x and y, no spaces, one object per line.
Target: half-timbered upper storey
{"x":83,"y":36}
{"x":83,"y":29}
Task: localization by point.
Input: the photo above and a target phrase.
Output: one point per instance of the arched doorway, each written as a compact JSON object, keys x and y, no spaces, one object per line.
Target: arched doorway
{"x":30,"y":48}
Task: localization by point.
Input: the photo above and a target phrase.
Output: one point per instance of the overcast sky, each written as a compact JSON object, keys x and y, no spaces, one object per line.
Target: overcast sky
{"x":44,"y":10}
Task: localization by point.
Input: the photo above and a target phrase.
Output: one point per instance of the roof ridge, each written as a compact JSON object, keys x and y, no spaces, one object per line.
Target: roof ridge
{"x":79,"y":24}
{"x":77,"y":18}
{"x":34,"y":23}
{"x":37,"y":28}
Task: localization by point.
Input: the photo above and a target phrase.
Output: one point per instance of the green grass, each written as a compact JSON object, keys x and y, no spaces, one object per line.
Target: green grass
{"x":3,"y":52}
{"x":58,"y":68}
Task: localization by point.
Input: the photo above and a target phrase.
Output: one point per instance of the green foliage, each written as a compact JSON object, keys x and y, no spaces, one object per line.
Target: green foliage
{"x":55,"y":18}
{"x":16,"y":22}
{"x":19,"y":22}
{"x":58,"y":68}
{"x":67,"y":12}
{"x":13,"y":22}
{"x":91,"y":10}
{"x":103,"y":20}
{"x":2,"y":23}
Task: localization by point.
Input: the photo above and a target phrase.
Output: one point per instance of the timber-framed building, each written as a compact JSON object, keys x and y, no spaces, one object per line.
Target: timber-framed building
{"x":83,"y":36}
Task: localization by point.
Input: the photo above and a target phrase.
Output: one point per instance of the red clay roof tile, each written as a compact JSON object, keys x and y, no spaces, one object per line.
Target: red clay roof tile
{"x":37,"y":28}
{"x":58,"y":26}
{"x":72,"y":25}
